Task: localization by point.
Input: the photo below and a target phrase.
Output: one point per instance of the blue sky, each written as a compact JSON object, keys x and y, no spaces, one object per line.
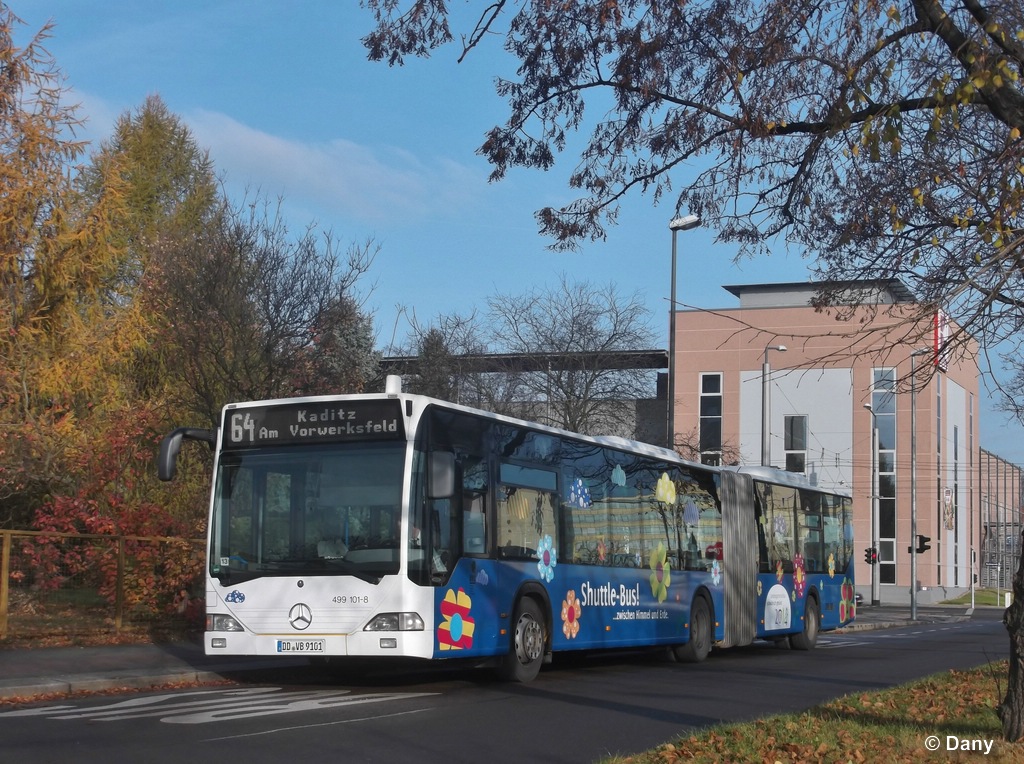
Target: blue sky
{"x":283,"y":97}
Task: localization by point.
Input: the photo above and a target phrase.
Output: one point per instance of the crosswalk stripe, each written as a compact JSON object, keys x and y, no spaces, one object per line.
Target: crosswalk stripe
{"x":217,"y":705}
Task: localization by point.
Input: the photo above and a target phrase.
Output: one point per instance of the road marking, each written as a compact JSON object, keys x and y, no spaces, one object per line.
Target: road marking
{"x":835,"y":644}
{"x":203,"y":707}
{"x":311,"y":726}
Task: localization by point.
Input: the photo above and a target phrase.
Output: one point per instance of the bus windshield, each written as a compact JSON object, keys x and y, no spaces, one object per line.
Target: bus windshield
{"x":323,"y":509}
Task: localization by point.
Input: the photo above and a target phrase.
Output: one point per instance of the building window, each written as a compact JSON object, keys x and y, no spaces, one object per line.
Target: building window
{"x":883,"y":404}
{"x":796,"y":444}
{"x":711,"y":418}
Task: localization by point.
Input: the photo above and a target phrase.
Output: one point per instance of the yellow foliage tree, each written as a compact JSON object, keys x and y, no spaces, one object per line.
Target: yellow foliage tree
{"x":66,"y":314}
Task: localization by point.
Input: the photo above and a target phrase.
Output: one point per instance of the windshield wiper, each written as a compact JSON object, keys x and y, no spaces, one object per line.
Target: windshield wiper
{"x":350,"y":568}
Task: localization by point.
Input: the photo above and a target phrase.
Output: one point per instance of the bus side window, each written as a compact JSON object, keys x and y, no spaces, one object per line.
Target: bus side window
{"x":474,"y":528}
{"x":441,"y":537}
{"x":515,"y":538}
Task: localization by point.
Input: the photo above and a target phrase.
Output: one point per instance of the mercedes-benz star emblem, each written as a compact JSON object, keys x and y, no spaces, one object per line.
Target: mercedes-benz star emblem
{"x":300,"y":616}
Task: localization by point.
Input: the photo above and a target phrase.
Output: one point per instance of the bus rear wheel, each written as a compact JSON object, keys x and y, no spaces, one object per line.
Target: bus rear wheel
{"x":699,"y":644}
{"x":528,"y":642}
{"x":806,"y":639}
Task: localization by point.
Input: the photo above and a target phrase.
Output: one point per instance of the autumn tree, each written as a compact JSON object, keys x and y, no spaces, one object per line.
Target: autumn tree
{"x":76,"y":442}
{"x":168,"y":180}
{"x":51,"y":281}
{"x":881,"y":139}
{"x":163,"y":184}
{"x":169,"y":187}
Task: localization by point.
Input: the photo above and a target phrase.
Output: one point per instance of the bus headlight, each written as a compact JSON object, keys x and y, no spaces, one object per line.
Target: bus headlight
{"x":221,"y":622}
{"x":396,"y":622}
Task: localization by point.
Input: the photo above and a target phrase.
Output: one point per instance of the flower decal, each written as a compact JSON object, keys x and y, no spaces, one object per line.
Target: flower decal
{"x":848,"y":603}
{"x":602,"y":551}
{"x":546,"y":563}
{"x":571,"y":611}
{"x":760,"y":589}
{"x":660,"y":573}
{"x":455,"y":631}
{"x":799,"y":576}
{"x":778,"y":571}
{"x":618,"y":475}
{"x":579,"y":494}
{"x":831,"y":566}
{"x":716,"y":573}
{"x":665,"y":491}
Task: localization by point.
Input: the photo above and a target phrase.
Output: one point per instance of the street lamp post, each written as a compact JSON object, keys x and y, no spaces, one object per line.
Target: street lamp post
{"x":684,"y":223}
{"x":913,"y":479}
{"x":766,"y":407}
{"x":875,"y":579}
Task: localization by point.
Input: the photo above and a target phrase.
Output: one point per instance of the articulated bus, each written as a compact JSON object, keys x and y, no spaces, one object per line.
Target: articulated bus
{"x":400,"y":525}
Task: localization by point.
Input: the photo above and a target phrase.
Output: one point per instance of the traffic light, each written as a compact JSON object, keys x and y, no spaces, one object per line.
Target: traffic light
{"x":922,"y":544}
{"x":871,"y":555}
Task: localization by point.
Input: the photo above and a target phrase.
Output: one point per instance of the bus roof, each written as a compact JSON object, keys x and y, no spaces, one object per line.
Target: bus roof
{"x":784,"y":477}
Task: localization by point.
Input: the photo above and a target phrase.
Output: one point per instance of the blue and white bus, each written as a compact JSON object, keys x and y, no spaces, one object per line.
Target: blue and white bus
{"x":399,"y":525}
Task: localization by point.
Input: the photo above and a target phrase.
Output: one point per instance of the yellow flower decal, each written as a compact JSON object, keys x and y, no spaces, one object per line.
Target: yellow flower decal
{"x":665,"y":491}
{"x":831,"y":566}
{"x":778,"y":570}
{"x":571,"y":612}
{"x":660,"y":573}
{"x":455,"y":632}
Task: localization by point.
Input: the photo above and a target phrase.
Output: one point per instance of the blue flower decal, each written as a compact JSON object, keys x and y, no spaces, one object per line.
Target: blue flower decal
{"x":579,"y":494}
{"x":235,"y":596}
{"x":546,"y":563}
{"x":716,"y":573}
{"x":618,"y":475}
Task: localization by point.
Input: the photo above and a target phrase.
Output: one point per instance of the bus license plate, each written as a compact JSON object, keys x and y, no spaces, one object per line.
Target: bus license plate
{"x":300,"y":645}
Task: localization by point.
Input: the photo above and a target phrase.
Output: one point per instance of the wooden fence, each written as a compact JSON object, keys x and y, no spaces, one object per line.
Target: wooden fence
{"x":60,"y":587}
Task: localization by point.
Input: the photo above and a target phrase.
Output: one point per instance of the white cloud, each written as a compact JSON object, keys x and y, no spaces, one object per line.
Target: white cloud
{"x":97,"y":116}
{"x":341,"y":178}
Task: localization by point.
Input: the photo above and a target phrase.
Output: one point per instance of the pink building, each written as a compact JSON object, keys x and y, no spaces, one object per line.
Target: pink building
{"x":836,"y":382}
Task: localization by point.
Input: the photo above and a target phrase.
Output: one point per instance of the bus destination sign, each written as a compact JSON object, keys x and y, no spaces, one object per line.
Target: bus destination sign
{"x":323,"y":422}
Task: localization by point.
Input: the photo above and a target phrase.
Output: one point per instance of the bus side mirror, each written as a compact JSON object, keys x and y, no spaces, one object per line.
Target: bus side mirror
{"x":442,"y":475}
{"x":167,"y":461}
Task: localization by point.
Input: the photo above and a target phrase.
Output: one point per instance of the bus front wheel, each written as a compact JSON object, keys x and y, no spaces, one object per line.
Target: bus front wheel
{"x":528,"y":641}
{"x":806,"y":639}
{"x":699,"y":644}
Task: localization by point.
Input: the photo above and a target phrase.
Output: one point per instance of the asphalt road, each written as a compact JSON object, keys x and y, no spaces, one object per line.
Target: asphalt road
{"x":576,"y":711}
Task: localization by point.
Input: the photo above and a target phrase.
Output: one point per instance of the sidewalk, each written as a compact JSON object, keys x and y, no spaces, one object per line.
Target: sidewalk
{"x":58,"y":670}
{"x":890,"y":616}
{"x":27,"y":674}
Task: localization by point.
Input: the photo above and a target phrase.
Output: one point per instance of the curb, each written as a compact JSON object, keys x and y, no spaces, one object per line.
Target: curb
{"x":30,"y":689}
{"x":898,"y":622}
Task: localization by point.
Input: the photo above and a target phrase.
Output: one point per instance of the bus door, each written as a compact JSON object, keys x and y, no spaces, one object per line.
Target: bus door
{"x":740,"y":542}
